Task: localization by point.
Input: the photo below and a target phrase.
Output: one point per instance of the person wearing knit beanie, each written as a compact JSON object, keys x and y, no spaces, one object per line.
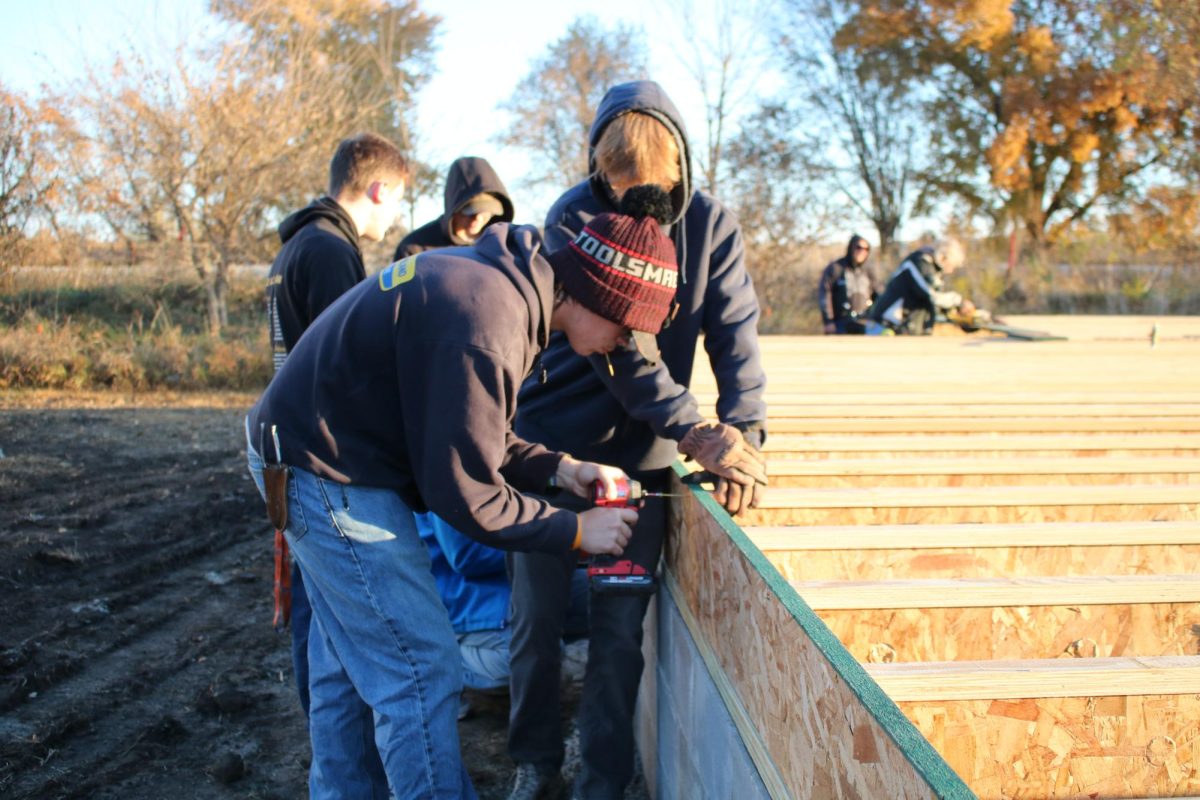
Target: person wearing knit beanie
{"x":621,"y":266}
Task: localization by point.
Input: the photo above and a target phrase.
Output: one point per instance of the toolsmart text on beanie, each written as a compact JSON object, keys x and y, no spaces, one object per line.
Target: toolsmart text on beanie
{"x":622,"y":266}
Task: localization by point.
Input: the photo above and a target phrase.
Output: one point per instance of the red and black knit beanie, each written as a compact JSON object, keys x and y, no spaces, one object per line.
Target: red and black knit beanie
{"x":622,"y":266}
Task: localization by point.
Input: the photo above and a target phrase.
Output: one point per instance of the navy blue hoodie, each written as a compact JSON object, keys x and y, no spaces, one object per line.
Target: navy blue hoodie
{"x":467,"y":177}
{"x":635,"y":418}
{"x":319,"y":262}
{"x":409,"y":382}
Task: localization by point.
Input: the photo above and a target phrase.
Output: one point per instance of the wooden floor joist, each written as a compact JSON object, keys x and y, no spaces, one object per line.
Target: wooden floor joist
{"x":915,"y":471}
{"x":985,"y":424}
{"x":888,"y":505}
{"x":1064,"y":677}
{"x":981,"y":445}
{"x":882,"y":552}
{"x":860,"y":408}
{"x":884,"y":537}
{"x":979,"y":592}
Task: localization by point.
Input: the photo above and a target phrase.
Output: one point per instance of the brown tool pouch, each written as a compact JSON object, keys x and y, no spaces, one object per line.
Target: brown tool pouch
{"x":275,"y":479}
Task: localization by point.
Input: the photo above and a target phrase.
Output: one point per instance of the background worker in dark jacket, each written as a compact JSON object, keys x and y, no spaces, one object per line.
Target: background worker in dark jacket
{"x":400,"y":398}
{"x":916,"y":291}
{"x":473,"y":198}
{"x":638,"y":416}
{"x":321,"y":260}
{"x":847,"y":287}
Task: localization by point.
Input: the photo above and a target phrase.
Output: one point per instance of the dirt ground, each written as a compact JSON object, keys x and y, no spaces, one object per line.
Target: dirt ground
{"x":137,"y":657}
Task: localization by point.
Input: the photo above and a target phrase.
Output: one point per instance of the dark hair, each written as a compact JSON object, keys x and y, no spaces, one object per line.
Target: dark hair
{"x":363,"y":159}
{"x":647,"y":200}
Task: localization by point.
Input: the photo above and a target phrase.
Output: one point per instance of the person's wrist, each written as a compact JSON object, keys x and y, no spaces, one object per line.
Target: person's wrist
{"x":565,"y":474}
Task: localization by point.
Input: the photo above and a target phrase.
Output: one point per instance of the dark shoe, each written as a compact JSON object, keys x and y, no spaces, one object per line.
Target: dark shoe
{"x":529,"y":784}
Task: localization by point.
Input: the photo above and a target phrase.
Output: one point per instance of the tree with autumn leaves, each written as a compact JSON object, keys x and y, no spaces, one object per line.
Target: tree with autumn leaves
{"x":1041,"y":112}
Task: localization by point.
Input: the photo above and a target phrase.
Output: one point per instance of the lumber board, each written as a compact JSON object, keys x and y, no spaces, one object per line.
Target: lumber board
{"x":827,"y":401}
{"x":993,"y":504}
{"x":980,"y":562}
{"x":883,"y":537}
{"x":917,"y":471}
{"x":1033,"y":678}
{"x":827,"y":728}
{"x":977,"y":446}
{"x":1083,"y":746}
{"x":979,"y":592}
{"x":987,"y":496}
{"x":882,"y":552}
{"x":985,"y":424}
{"x":1017,"y":632}
{"x":856,"y":407}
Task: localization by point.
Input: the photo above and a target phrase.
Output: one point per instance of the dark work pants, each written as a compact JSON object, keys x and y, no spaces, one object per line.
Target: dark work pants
{"x":540,"y":597}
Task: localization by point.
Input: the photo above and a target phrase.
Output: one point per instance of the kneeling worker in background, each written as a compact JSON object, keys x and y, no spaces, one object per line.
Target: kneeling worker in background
{"x":400,"y":397}
{"x":916,"y":291}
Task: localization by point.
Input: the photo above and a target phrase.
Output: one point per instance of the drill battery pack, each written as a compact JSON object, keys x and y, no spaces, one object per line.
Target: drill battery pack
{"x":607,"y":575}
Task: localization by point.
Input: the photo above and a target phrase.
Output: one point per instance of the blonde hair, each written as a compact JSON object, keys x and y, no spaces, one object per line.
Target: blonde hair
{"x":636,"y":148}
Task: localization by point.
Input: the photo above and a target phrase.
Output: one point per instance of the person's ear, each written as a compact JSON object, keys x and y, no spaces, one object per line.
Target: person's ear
{"x":375,"y":192}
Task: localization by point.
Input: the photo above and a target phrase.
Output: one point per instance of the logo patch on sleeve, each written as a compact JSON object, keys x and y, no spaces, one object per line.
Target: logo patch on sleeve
{"x":397,"y":273}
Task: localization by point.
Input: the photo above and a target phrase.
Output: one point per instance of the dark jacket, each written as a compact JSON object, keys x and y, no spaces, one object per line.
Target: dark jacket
{"x":409,"y":382}
{"x":319,"y":262}
{"x":846,"y":289}
{"x":907,"y":303}
{"x":635,"y":418}
{"x":468,"y":176}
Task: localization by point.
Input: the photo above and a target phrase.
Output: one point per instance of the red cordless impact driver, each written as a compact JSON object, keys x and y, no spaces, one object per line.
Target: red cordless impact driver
{"x":607,"y":575}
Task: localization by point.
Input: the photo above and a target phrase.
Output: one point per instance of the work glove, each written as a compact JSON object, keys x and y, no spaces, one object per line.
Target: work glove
{"x":740,"y":468}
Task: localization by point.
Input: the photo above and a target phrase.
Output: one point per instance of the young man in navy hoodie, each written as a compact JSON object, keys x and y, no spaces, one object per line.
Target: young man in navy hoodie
{"x":319,"y":262}
{"x":400,"y":398}
{"x":638,"y":415}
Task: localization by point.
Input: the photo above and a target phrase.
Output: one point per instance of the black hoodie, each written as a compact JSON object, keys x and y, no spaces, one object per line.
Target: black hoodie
{"x":409,"y":382}
{"x":319,"y":262}
{"x":846,"y":288}
{"x":467,"y":177}
{"x":635,"y":418}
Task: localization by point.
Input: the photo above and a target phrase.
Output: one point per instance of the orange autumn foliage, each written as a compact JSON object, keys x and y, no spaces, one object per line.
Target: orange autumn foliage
{"x":1062,"y":104}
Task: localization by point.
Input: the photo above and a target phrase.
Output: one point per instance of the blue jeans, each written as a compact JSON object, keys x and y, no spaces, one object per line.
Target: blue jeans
{"x":485,"y":658}
{"x":380,"y":637}
{"x":301,"y":621}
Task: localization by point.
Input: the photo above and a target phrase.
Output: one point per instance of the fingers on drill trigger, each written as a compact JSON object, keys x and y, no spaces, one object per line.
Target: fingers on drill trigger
{"x":610,"y":483}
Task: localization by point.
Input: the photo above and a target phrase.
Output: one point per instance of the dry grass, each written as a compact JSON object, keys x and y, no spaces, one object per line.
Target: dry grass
{"x":133,"y":332}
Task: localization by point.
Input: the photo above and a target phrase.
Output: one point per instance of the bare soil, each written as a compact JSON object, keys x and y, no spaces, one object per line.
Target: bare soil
{"x":137,"y":657}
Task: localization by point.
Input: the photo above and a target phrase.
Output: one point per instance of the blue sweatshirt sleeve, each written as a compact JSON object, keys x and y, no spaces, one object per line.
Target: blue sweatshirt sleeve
{"x":731,"y":330}
{"x":465,"y":556}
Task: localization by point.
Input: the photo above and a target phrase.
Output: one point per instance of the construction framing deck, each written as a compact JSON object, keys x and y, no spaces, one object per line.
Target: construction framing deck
{"x":977,"y":573}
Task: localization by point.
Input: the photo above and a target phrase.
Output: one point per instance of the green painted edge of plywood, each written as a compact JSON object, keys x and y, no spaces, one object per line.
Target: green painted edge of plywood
{"x":927,"y":761}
